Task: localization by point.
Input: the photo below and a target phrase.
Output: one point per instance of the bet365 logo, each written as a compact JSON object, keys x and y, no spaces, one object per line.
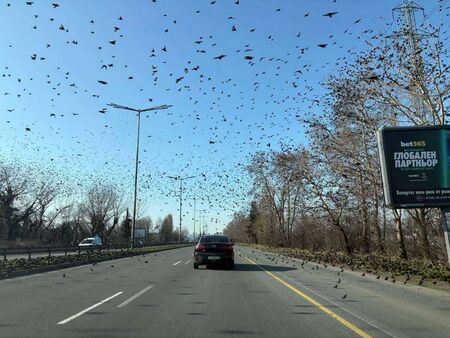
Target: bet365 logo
{"x":413,"y":144}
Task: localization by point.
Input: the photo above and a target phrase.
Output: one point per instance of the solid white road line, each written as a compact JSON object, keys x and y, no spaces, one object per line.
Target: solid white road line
{"x":88,"y":309}
{"x":177,"y":263}
{"x":129,"y":300}
{"x":187,"y":262}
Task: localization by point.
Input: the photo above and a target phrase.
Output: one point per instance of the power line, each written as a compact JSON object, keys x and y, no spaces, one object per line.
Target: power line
{"x":433,"y":11}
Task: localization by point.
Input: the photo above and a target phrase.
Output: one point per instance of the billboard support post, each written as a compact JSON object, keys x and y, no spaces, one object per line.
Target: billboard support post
{"x":446,"y":225}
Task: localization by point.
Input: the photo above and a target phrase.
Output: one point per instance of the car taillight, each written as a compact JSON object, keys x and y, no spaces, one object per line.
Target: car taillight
{"x":200,"y":248}
{"x":228,"y":247}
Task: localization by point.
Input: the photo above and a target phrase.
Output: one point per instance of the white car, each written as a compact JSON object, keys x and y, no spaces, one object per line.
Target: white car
{"x":90,"y":241}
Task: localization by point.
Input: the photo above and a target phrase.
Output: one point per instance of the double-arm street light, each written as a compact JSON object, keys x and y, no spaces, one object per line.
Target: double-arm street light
{"x":181,"y":179}
{"x":138,"y":111}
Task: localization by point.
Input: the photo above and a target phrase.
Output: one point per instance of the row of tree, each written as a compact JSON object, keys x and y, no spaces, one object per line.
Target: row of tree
{"x":38,"y":208}
{"x":329,"y":195}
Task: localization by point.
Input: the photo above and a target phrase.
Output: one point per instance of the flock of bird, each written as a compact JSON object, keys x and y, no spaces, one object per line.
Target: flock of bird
{"x":281,"y":262}
{"x":241,"y":85}
{"x":287,"y":262}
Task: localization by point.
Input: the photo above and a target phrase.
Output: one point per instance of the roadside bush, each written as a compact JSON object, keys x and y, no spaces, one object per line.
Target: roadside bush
{"x":372,"y":263}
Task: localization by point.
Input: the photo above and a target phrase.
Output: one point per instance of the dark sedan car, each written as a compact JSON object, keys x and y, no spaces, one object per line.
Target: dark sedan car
{"x":214,"y":249}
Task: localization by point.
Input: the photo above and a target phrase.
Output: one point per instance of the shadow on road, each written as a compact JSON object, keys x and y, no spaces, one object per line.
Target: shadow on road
{"x":237,"y":332}
{"x":251,"y":267}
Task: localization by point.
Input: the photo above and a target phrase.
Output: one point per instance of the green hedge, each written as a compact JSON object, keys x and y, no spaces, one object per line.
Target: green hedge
{"x":373,"y":263}
{"x":85,"y":257}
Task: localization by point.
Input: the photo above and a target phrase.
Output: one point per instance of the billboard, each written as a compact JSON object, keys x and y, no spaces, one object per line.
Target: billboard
{"x":415,"y":166}
{"x":140,"y":233}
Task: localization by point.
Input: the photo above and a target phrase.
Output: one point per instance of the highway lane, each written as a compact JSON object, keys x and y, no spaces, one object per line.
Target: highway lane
{"x":166,"y":297}
{"x":394,"y":309}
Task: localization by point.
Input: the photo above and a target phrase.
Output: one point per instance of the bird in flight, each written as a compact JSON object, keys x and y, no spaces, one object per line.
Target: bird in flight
{"x":330,"y":14}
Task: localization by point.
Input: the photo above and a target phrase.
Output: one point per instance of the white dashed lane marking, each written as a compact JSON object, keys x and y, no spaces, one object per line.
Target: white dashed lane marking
{"x":129,"y":300}
{"x":88,"y":309}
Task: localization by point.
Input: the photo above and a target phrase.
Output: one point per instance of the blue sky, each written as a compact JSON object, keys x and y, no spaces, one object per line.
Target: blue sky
{"x":223,"y":111}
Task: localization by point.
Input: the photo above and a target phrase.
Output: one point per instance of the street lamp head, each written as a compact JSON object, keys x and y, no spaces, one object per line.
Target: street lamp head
{"x":164,"y":106}
{"x":181,"y":178}
{"x":118,"y":106}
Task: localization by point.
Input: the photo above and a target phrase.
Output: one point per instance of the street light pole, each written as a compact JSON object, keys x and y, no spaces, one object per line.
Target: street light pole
{"x":194,"y":219}
{"x":138,"y":111}
{"x":135,"y":180}
{"x":181,"y":179}
{"x":200,"y":227}
{"x":204,"y":225}
{"x":181,"y":206}
{"x":200,"y":219}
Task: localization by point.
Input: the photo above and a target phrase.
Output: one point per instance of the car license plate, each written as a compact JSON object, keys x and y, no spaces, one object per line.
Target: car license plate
{"x":213,"y":257}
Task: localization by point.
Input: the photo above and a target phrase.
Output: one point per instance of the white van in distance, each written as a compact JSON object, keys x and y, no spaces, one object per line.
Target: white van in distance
{"x":91,"y":241}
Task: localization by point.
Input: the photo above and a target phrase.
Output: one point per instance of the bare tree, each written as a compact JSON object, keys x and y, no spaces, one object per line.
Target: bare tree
{"x":101,"y":210}
{"x":331,"y":199}
{"x":279,"y":178}
{"x":166,"y":229}
{"x":17,"y":201}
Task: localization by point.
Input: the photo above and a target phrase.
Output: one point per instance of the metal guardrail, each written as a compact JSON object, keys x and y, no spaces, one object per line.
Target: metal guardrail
{"x":49,"y":250}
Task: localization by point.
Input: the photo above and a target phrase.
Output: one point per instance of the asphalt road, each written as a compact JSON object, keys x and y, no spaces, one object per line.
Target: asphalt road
{"x":263,"y":297}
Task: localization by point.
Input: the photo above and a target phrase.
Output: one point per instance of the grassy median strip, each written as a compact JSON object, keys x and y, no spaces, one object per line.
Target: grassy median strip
{"x":321,"y":307}
{"x":23,"y":266}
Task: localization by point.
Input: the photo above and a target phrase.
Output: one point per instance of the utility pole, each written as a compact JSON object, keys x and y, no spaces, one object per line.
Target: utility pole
{"x":138,"y":111}
{"x":181,"y":179}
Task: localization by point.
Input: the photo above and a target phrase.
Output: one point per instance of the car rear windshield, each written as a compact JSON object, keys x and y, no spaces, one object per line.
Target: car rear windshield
{"x":214,"y":239}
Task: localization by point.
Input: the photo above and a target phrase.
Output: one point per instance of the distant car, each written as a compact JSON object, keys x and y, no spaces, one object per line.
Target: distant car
{"x":90,"y":241}
{"x":214,"y":249}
